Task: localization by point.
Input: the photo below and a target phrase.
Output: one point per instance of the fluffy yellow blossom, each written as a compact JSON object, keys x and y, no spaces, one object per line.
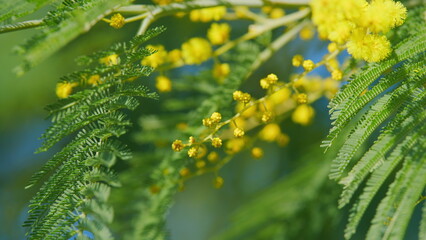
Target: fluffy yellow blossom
{"x":359,"y":24}
{"x":177,"y":145}
{"x":297,"y":60}
{"x":163,"y":84}
{"x":94,"y":80}
{"x":270,"y":132}
{"x":256,"y":152}
{"x":308,"y":65}
{"x":110,"y":60}
{"x":117,"y":21}
{"x":337,"y":74}
{"x":238,"y":132}
{"x":221,"y":71}
{"x":64,"y":89}
{"x":303,"y":114}
{"x":156,"y":59}
{"x":218,"y":182}
{"x":216,"y":117}
{"x":207,"y":14}
{"x":302,"y":98}
{"x":175,"y":57}
{"x":382,"y":15}
{"x":213,"y":157}
{"x":370,"y":47}
{"x":218,"y":33}
{"x":196,"y":50}
{"x":216,"y":142}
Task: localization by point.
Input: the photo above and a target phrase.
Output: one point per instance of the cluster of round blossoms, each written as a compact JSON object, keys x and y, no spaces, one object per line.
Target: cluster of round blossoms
{"x":359,"y":25}
{"x":223,"y":138}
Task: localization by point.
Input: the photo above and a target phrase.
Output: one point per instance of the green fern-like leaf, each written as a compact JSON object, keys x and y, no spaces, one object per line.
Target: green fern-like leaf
{"x":73,"y":198}
{"x":393,"y":109}
{"x":61,"y":25}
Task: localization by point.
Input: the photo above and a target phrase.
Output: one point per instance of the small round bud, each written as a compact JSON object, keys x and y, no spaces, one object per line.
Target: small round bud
{"x":256,"y":152}
{"x":192,"y":152}
{"x":216,"y":142}
{"x":216,"y":117}
{"x":238,"y":132}
{"x":117,"y":21}
{"x":177,"y":146}
{"x":297,"y":60}
{"x":308,"y":65}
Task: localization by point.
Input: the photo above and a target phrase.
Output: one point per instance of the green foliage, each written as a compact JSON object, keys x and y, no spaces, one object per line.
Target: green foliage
{"x":151,"y":208}
{"x":74,"y":197}
{"x":393,"y":107}
{"x":61,"y":25}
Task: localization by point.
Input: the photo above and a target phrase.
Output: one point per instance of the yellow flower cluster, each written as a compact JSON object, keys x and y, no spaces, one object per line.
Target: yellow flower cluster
{"x":207,"y":14}
{"x":117,"y":21}
{"x":163,"y":84}
{"x":359,"y":24}
{"x":269,"y":81}
{"x":156,"y":59}
{"x":218,"y":33}
{"x":64,"y":89}
{"x":221,"y":71}
{"x":250,"y":114}
{"x":196,"y":50}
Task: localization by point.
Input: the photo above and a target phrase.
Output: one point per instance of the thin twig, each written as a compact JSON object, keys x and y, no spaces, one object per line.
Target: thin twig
{"x":21,"y":25}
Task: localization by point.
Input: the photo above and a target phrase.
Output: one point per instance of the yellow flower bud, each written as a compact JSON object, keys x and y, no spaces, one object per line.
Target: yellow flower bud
{"x":117,"y":21}
{"x":308,"y":65}
{"x":297,"y":60}
{"x":216,"y":142}
{"x":238,"y":132}
{"x":256,"y":152}
{"x":163,"y":84}
{"x":177,"y":146}
{"x":192,"y":152}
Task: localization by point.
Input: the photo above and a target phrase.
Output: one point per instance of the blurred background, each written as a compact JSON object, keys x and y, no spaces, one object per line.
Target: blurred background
{"x":200,"y":212}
